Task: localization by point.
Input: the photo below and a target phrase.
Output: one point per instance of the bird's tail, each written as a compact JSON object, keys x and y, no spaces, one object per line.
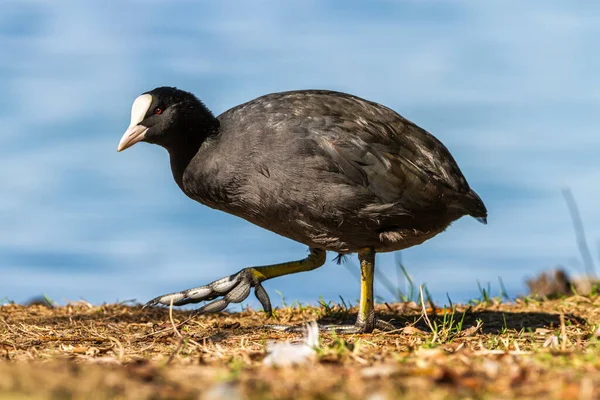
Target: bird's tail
{"x":470,"y":204}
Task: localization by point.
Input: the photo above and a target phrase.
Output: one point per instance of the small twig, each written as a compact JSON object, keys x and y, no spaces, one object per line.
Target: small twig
{"x":119,"y":345}
{"x":143,"y":349}
{"x":163,"y":330}
{"x":173,"y":321}
{"x":427,"y":321}
{"x":177,"y":349}
{"x":71,"y":339}
{"x":563,"y":332}
{"x":358,"y":359}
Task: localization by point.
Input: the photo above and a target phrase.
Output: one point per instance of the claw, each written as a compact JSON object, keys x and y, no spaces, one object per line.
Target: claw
{"x":231,"y":289}
{"x":263,"y":297}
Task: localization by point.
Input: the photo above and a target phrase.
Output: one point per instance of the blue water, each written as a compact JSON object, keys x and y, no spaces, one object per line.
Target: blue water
{"x":511,"y":88}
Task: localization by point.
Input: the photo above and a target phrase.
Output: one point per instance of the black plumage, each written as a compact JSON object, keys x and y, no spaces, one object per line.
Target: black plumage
{"x":327,"y":169}
{"x":324,"y":168}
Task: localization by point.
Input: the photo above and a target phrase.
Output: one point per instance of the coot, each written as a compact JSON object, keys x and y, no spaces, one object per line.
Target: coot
{"x":327,"y":169}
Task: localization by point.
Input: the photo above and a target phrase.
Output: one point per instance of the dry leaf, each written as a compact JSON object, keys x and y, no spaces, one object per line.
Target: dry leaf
{"x":411,"y":330}
{"x":473,"y":330}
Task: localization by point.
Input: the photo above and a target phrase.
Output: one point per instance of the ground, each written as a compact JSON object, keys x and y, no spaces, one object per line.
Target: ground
{"x":486,"y":349}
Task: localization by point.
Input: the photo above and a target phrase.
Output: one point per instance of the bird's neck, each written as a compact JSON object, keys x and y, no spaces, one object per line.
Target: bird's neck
{"x":182,"y":153}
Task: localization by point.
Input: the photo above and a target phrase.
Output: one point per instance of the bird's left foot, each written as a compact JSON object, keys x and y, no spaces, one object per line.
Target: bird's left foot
{"x":236,"y":288}
{"x":231,"y":289}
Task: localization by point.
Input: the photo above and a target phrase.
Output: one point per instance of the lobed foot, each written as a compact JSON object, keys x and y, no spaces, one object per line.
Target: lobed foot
{"x":360,"y":327}
{"x":338,"y":329}
{"x":231,"y":289}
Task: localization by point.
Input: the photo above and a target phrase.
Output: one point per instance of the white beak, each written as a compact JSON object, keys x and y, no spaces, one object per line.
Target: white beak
{"x":136,"y":132}
{"x":132,"y":135}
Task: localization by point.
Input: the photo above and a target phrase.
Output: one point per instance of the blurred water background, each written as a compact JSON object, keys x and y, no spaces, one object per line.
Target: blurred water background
{"x":511,"y":87}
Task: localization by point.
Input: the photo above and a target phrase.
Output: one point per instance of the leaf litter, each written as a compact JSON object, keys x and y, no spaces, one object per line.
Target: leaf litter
{"x":488,"y":349}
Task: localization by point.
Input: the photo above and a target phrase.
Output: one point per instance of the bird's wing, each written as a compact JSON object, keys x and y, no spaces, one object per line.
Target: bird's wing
{"x":367,"y":143}
{"x":383,"y":151}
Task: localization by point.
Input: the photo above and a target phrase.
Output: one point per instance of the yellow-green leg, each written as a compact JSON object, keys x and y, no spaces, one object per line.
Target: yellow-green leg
{"x":315,"y":259}
{"x":236,"y":288}
{"x":366,"y":307}
{"x":365,"y":320}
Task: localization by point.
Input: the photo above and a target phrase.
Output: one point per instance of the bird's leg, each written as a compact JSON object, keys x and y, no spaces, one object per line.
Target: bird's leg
{"x":236,"y":288}
{"x":366,"y":309}
{"x":365,"y":321}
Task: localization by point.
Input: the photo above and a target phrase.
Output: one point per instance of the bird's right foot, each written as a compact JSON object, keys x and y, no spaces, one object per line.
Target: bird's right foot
{"x":357,"y":328}
{"x":231,"y":289}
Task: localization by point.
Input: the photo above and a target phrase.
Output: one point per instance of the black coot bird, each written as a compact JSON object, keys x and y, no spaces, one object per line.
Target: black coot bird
{"x":327,"y":169}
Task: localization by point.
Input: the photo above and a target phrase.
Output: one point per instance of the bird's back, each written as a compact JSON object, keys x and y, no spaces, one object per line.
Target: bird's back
{"x":330,"y":169}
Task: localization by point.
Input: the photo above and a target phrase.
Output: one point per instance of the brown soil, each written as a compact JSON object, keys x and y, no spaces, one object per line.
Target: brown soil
{"x":544,"y":349}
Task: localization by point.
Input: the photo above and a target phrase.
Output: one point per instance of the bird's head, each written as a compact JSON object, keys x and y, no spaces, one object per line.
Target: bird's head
{"x":166,"y":116}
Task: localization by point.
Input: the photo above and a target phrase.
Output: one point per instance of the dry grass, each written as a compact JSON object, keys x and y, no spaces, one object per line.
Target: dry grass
{"x":545,"y":349}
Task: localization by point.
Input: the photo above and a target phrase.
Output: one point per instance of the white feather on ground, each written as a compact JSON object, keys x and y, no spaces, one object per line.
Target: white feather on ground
{"x":285,"y":354}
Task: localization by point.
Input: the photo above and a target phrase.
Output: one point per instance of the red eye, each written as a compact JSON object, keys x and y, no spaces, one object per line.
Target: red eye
{"x":158,"y":110}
